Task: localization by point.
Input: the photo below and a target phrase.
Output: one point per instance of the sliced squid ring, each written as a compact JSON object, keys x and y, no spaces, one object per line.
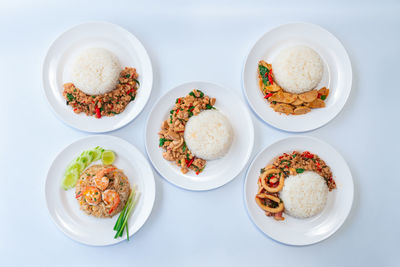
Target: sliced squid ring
{"x":280,"y":207}
{"x":264,"y":183}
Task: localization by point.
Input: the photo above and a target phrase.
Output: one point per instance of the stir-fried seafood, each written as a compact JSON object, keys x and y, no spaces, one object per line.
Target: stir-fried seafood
{"x":272,"y":179}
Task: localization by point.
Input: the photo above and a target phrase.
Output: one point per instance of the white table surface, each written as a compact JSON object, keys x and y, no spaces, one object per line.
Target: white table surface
{"x":201,"y":41}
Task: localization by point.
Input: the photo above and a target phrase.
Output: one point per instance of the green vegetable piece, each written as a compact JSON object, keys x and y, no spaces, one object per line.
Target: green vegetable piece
{"x":122,"y":221}
{"x":127,"y":76}
{"x":299,"y":170}
{"x":70,"y":97}
{"x":264,"y":70}
{"x":208,"y":106}
{"x":184,"y":147}
{"x":162,"y":141}
{"x":70,"y":178}
{"x":136,"y":81}
{"x":323,"y":97}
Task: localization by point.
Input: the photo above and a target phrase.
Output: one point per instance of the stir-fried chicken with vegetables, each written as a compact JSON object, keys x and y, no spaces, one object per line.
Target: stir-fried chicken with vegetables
{"x":172,"y":130}
{"x":108,"y":104}
{"x":272,"y":179}
{"x":285,"y":102}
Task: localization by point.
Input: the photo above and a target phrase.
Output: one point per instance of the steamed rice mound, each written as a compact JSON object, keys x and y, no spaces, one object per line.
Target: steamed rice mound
{"x":96,"y":71}
{"x":298,"y":69}
{"x":304,"y":195}
{"x":208,"y":135}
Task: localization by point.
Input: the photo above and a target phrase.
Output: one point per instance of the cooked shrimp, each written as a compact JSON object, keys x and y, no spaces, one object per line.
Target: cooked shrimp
{"x":111,"y":198}
{"x":101,"y":180}
{"x":92,"y":195}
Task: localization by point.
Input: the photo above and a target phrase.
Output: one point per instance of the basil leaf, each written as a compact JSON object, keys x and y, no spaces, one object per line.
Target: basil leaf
{"x":264,"y":70}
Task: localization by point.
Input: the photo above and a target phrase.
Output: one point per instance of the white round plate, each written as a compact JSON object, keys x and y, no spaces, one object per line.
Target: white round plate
{"x":64,"y":208}
{"x":294,"y":231}
{"x":217,"y":172}
{"x":63,"y":51}
{"x":337,"y":74}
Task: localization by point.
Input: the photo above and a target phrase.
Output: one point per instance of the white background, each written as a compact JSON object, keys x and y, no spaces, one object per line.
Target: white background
{"x":201,"y":41}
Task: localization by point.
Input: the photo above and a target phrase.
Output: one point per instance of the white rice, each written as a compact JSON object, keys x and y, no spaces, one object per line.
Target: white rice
{"x":298,"y":69}
{"x":208,"y":135}
{"x":96,"y":71}
{"x":304,"y":195}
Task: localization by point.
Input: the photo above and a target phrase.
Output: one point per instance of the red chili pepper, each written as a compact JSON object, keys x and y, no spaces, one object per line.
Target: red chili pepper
{"x":177,"y":111}
{"x":111,"y":210}
{"x":307,"y":154}
{"x":270,"y":78}
{"x":79,"y":195}
{"x":98,"y":114}
{"x":190,"y":162}
{"x":268,"y":95}
{"x":75,"y":109}
{"x":179,"y":100}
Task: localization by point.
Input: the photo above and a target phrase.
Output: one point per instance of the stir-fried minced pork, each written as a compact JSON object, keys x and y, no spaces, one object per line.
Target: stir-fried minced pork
{"x":107,"y":104}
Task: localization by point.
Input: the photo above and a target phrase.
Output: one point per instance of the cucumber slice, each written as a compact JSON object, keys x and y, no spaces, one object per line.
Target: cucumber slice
{"x":82,"y":161}
{"x":98,"y":150}
{"x":73,"y":165}
{"x":90,"y":155}
{"x":76,"y":167}
{"x":70,"y":179}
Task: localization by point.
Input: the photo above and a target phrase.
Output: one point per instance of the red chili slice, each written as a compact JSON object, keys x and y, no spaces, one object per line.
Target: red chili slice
{"x":268,"y":95}
{"x":270,"y":79}
{"x":98,"y":114}
{"x":190,"y":162}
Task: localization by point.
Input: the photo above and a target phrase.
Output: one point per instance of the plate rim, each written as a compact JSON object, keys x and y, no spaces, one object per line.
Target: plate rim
{"x":275,"y":125}
{"x":297,"y":244}
{"x":116,"y":241}
{"x":46,"y":60}
{"x":195,"y":189}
